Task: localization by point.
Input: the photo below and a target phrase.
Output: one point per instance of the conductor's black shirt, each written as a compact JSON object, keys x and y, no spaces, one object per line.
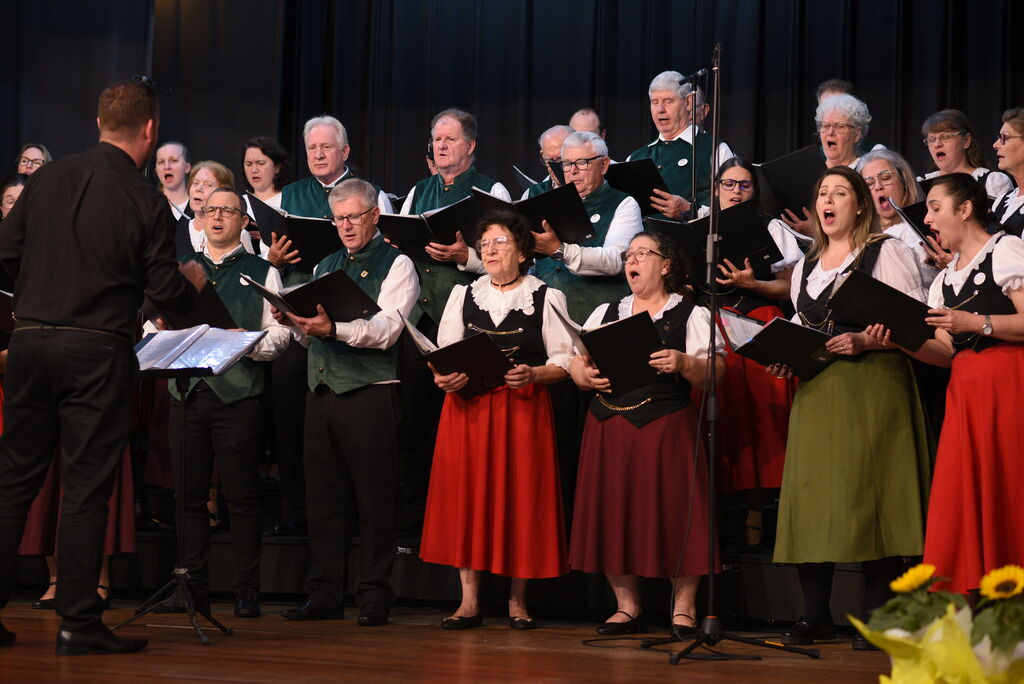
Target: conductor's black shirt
{"x":86,"y":237}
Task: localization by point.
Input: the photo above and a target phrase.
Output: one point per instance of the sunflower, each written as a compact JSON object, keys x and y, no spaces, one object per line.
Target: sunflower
{"x":1003,"y":583}
{"x":912,"y":579}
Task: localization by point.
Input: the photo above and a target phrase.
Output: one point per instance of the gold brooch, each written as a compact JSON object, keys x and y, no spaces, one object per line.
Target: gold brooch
{"x":364,"y":274}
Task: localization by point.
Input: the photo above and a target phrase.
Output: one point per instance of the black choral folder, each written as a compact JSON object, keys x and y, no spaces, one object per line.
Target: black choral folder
{"x":525,"y":182}
{"x":622,"y":350}
{"x":412,"y":233}
{"x":341,"y":297}
{"x":862,"y":300}
{"x":477,"y":356}
{"x":266,"y":218}
{"x":207,"y":309}
{"x":800,"y":348}
{"x":562,"y":207}
{"x":788,"y":182}
{"x":913,"y":216}
{"x":638,"y":179}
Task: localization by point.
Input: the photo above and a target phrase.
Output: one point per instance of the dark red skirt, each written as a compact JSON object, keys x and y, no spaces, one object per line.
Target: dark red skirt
{"x":494,"y":502}
{"x":641,"y":498}
{"x":754,"y":420}
{"x":976,"y":509}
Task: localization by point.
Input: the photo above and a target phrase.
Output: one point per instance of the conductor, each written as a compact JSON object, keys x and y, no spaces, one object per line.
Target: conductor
{"x":87,"y":238}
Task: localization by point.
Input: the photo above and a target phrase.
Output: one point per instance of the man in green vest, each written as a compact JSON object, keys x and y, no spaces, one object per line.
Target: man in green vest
{"x":550,"y":142}
{"x":222,"y":416}
{"x":352,"y":412}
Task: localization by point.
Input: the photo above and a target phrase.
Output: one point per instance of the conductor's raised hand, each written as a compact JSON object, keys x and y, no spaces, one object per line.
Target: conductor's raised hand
{"x":194,"y":273}
{"x":280,"y":252}
{"x":521,"y":375}
{"x":452,"y":382}
{"x":318,"y":326}
{"x":671,"y":206}
{"x":547,"y":243}
{"x":458,"y":251}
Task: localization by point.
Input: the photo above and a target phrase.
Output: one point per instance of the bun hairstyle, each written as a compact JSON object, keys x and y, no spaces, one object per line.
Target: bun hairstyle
{"x":962,"y":187}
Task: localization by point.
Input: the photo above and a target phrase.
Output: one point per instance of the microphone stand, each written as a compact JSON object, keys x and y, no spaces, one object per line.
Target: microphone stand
{"x":711,"y":631}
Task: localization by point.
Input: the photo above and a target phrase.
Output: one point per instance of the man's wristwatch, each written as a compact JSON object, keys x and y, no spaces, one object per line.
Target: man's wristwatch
{"x":559,"y":254}
{"x":986,"y":328}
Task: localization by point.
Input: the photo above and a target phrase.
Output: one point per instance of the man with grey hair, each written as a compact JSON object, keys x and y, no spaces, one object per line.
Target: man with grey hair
{"x":550,"y":142}
{"x":327,"y":152}
{"x":675,"y":151}
{"x":351,"y":426}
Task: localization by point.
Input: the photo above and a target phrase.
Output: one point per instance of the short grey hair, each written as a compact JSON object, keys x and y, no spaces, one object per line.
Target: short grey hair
{"x":855,"y":111}
{"x":667,"y":80}
{"x":560,"y":129}
{"x":353,"y":187}
{"x":580,"y":138}
{"x":902,"y":167}
{"x":325,"y":120}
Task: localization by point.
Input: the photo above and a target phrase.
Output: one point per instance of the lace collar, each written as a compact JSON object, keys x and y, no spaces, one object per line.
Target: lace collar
{"x":499,"y":304}
{"x":626,"y":306}
{"x":956,"y":278}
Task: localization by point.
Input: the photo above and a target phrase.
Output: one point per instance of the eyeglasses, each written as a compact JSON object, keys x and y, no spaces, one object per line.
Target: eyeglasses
{"x":883,"y":178}
{"x":354,"y":219}
{"x":730,"y":183}
{"x":1003,"y":137}
{"x":941,"y":137}
{"x":835,"y":126}
{"x":498,"y":244}
{"x":30,"y":163}
{"x":640,"y":254}
{"x":552,"y":160}
{"x":230,"y":212}
{"x":580,"y":164}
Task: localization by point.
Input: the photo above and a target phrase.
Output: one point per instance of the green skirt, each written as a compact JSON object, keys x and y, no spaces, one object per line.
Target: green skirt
{"x":855,"y":483}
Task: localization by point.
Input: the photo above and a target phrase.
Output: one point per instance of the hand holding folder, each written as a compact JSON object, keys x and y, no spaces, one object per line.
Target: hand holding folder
{"x":476,"y":356}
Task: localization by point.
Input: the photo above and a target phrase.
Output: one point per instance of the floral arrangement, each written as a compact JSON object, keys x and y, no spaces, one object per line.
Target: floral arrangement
{"x":933,"y":638}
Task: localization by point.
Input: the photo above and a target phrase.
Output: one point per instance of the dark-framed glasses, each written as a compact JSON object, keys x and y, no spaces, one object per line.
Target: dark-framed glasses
{"x":29,"y":162}
{"x":230,"y":212}
{"x":730,"y":183}
{"x":882,"y":178}
{"x":580,"y":164}
{"x":354,"y":219}
{"x":1003,"y":137}
{"x":640,"y":254}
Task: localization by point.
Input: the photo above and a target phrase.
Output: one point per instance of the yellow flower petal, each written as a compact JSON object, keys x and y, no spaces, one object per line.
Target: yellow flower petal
{"x":913,"y":578}
{"x":1003,"y":583}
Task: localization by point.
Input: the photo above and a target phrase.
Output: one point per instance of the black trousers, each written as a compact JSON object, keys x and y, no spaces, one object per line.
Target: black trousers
{"x":73,"y":388}
{"x":352,"y":448}
{"x":288,"y":380}
{"x":233,"y":434}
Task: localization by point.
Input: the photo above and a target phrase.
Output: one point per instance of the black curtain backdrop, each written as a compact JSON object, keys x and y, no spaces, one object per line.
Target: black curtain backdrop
{"x":241,"y":68}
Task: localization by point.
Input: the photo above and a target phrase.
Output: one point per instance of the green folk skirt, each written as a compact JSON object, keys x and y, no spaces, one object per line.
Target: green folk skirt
{"x":855,"y":482}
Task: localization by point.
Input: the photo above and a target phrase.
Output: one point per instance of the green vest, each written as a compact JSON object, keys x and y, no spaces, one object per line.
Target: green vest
{"x":583,"y":294}
{"x":667,"y":155}
{"x":335,"y":364}
{"x":439,"y":278}
{"x":539,"y":188}
{"x":246,"y":378}
{"x":308,"y":197}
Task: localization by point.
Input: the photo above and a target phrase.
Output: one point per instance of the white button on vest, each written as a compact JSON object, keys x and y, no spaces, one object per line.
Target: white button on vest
{"x":595,"y":218}
{"x":683,"y":162}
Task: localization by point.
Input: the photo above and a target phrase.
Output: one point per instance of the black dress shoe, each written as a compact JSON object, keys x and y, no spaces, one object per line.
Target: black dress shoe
{"x":95,"y":639}
{"x":6,"y":636}
{"x":805,"y":632}
{"x":522,"y":623}
{"x":468,"y":622}
{"x":684,"y":631}
{"x":862,"y":644}
{"x":372,"y":615}
{"x":631,"y":626}
{"x":312,"y":611}
{"x":45,"y":604}
{"x":246,"y":604}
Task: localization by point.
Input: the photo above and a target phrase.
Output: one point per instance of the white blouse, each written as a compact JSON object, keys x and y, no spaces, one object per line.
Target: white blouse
{"x":1014,"y":204}
{"x":1007,"y":269}
{"x":698,"y":325}
{"x":902,"y":231}
{"x":997,"y":183}
{"x":499,"y":305}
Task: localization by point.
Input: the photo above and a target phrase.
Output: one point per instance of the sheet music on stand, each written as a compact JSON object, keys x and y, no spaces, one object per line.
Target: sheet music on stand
{"x":197,"y":351}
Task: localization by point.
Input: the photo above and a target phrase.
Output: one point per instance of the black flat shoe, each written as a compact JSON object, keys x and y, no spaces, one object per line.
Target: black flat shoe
{"x":372,"y":615}
{"x":247,"y":605}
{"x":522,"y":623}
{"x":468,"y":622}
{"x":632,"y":626}
{"x":684,"y":631}
{"x":45,"y":604}
{"x":105,"y":602}
{"x":96,"y":639}
{"x":6,"y":636}
{"x":862,"y":644}
{"x":312,"y":611}
{"x":805,"y":632}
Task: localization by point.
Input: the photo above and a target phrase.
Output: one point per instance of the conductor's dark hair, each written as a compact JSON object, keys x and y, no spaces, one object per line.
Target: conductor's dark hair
{"x":956,"y":121}
{"x":517,"y":225}
{"x":465,"y":119}
{"x":962,"y":187}
{"x":126,"y":106}
{"x":277,"y":154}
{"x":676,"y":278}
{"x":733,"y":162}
{"x":834,"y":84}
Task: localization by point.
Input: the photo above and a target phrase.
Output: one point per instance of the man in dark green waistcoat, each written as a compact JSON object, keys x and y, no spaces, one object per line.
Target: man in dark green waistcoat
{"x":223,"y":415}
{"x":550,"y":143}
{"x":352,"y":413}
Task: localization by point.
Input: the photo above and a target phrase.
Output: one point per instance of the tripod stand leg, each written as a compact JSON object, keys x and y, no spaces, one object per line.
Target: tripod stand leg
{"x":699,"y":641}
{"x":152,"y":603}
{"x":650,"y":643}
{"x":190,"y":609}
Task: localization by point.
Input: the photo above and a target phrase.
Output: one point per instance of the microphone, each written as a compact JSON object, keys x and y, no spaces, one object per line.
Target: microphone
{"x":694,"y":76}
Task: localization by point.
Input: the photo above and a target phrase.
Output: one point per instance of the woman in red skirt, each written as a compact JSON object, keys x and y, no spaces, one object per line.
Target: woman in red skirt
{"x":494,"y":501}
{"x":753,"y":404}
{"x":641,"y":492}
{"x":975,"y":514}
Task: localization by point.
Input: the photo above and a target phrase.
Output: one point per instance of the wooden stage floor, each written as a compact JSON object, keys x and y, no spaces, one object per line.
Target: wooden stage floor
{"x":412,"y":648}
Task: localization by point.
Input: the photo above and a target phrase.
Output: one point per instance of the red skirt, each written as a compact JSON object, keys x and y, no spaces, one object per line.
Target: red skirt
{"x":494,"y":502}
{"x":641,"y":498}
{"x":754,"y":414}
{"x":976,"y":509}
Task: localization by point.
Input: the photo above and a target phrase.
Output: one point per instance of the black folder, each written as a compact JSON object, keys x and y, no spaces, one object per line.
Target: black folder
{"x":562,"y":207}
{"x":267,"y":219}
{"x":638,"y":179}
{"x":479,"y":358}
{"x":412,"y":233}
{"x":341,"y":297}
{"x":913,"y":215}
{"x":862,"y":300}
{"x":622,"y":351}
{"x":207,"y":309}
{"x":926,"y":185}
{"x":6,"y":318}
{"x":800,"y":348}
{"x":525,"y":182}
{"x":788,"y":182}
